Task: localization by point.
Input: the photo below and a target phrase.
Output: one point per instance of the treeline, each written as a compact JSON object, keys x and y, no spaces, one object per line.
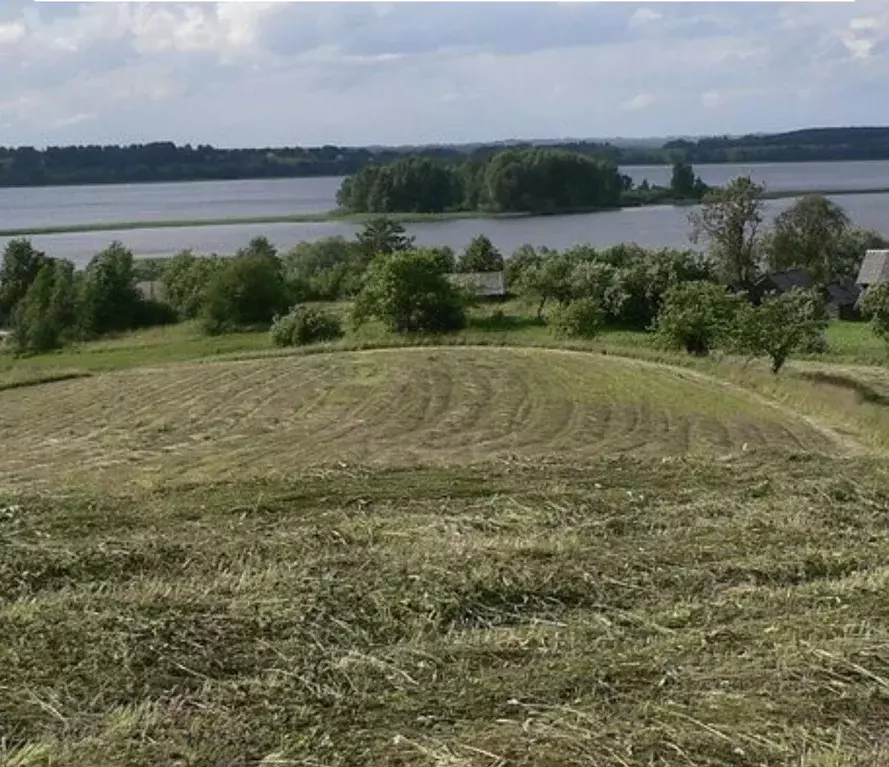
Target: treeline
{"x":513,"y":180}
{"x":166,"y":161}
{"x":694,"y":300}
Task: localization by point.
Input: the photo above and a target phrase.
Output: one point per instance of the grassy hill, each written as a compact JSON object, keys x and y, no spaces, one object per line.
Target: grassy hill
{"x":443,"y":556}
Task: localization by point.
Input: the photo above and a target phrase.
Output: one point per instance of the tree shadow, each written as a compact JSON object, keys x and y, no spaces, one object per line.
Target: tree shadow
{"x":865,"y":393}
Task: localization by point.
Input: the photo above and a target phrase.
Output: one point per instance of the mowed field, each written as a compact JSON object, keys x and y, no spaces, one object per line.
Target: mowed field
{"x":390,"y":407}
{"x":451,"y":556}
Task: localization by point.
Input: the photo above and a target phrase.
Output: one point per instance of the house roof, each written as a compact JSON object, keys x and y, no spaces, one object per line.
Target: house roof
{"x":842,"y":295}
{"x":481,"y":283}
{"x":875,"y":268}
{"x":786,"y":280}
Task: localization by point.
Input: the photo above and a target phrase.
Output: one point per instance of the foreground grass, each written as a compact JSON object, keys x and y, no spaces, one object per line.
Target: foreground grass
{"x":615,"y":612}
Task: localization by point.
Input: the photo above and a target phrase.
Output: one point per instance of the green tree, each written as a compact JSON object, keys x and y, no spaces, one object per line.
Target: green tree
{"x":45,"y":318}
{"x":810,"y":236}
{"x":730,"y":219}
{"x":108,"y":297}
{"x":781,"y":325}
{"x":550,"y":279}
{"x":697,"y":317}
{"x":408,"y":292}
{"x":480,"y":256}
{"x":21,"y":263}
{"x":383,"y":235}
{"x":874,"y":305}
{"x":259,"y":247}
{"x":682,"y":180}
{"x":185,"y":278}
{"x":245,"y":291}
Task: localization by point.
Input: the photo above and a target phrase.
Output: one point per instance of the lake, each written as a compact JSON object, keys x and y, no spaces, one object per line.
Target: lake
{"x":662,"y":226}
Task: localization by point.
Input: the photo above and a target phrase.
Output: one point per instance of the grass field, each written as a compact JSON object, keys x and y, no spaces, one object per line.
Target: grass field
{"x":213,"y":553}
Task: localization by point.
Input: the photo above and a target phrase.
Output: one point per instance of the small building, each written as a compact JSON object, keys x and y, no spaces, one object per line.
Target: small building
{"x":781,"y":282}
{"x":874,"y":269}
{"x":481,"y":284}
{"x":151,"y":290}
{"x":5,"y":337}
{"x":840,"y":299}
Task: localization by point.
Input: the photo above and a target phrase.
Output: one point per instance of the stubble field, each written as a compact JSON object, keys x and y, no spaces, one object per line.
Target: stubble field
{"x":448,"y":557}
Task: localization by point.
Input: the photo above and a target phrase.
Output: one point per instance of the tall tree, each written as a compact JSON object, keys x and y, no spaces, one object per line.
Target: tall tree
{"x":480,"y":256}
{"x":109,"y":299}
{"x":730,"y":219}
{"x":383,"y":235}
{"x":21,"y":264}
{"x":45,"y":317}
{"x":810,"y":236}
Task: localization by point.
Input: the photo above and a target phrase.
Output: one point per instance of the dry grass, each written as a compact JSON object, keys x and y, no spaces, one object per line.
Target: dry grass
{"x":614,"y":612}
{"x":443,"y":557}
{"x":396,"y":407}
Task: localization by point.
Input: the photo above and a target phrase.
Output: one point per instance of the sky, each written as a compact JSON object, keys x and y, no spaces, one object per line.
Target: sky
{"x":275,"y":74}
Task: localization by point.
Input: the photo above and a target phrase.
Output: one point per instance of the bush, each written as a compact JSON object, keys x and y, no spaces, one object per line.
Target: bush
{"x":697,"y":316}
{"x":581,"y":318}
{"x":245,"y":291}
{"x":874,"y":305}
{"x":782,"y":324}
{"x":409,"y":294}
{"x":303,"y":325}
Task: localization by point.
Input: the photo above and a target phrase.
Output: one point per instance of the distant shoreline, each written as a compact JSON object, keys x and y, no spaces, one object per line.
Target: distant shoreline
{"x":336,"y":216}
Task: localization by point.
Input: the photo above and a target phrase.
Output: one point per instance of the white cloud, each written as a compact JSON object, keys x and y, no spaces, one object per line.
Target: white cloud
{"x":12,"y":32}
{"x":639,"y":101}
{"x":269,"y":73}
{"x":645,"y":16}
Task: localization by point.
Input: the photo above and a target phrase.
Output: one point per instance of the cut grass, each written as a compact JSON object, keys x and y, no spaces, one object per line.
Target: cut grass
{"x":393,"y":407}
{"x":620,"y":612}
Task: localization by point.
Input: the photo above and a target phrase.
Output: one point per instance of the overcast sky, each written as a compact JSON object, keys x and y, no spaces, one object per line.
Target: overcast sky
{"x":235,"y":74}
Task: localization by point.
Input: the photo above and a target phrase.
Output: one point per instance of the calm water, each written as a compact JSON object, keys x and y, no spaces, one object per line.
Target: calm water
{"x":660,"y":226}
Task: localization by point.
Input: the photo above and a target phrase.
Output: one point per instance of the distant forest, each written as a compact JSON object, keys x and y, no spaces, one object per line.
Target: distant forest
{"x":165,"y":161}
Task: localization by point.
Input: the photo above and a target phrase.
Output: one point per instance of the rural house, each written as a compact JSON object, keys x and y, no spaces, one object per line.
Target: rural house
{"x":874,"y":269}
{"x":482,"y":284}
{"x":840,"y":299}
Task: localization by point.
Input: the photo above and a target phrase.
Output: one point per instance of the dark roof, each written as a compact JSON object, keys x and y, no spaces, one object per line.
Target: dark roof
{"x":843,"y":295}
{"x":786,"y":280}
{"x":875,"y":268}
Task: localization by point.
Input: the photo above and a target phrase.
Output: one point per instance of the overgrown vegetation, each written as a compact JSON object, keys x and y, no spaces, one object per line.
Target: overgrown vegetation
{"x":305,"y":325}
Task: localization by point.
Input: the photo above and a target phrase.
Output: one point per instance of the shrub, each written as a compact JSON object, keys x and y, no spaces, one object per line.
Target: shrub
{"x":303,"y":325}
{"x":782,"y":324}
{"x":245,"y":291}
{"x":874,"y":305}
{"x":697,"y":316}
{"x":409,"y":294}
{"x":581,"y":318}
